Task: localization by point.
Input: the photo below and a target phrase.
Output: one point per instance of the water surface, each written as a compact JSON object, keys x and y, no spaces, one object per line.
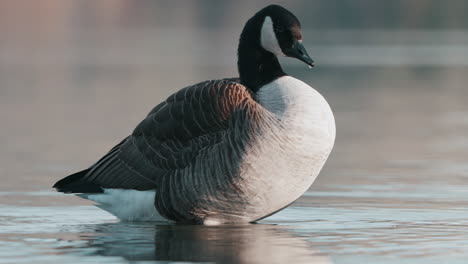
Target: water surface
{"x":77,"y":77}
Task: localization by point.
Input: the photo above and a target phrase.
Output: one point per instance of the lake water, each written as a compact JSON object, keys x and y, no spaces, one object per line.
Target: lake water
{"x":77,"y":78}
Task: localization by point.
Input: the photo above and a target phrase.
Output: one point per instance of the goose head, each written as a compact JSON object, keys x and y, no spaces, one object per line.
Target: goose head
{"x":281,"y":34}
{"x":271,"y":32}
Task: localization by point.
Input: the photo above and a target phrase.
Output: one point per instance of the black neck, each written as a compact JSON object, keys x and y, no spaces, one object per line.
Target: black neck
{"x":256,"y":66}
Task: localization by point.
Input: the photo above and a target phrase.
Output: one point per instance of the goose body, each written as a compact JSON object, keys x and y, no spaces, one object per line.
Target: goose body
{"x":222,"y":151}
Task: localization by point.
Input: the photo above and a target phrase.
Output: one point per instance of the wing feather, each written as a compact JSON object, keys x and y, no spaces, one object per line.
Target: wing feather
{"x":174,"y":134}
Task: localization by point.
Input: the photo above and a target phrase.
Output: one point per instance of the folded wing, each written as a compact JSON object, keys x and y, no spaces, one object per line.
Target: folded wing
{"x":169,"y":139}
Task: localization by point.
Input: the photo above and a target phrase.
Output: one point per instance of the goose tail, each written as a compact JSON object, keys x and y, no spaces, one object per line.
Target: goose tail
{"x":76,"y":184}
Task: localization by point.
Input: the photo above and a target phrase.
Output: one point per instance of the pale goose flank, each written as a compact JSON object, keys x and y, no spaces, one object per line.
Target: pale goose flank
{"x":232,"y":150}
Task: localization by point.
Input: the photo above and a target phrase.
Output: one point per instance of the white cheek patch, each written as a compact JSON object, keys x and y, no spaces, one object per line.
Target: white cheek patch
{"x":268,"y":38}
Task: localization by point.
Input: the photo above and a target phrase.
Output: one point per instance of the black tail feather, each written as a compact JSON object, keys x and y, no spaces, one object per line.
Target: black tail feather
{"x":75,"y":184}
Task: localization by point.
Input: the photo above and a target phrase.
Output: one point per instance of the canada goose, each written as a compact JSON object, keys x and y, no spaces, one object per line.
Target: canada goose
{"x":222,"y":151}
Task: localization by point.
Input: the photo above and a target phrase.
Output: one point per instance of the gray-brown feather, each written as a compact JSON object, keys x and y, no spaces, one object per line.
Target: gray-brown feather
{"x":189,"y":148}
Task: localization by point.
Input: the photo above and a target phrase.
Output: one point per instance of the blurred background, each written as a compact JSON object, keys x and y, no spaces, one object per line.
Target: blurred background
{"x":76,"y":76}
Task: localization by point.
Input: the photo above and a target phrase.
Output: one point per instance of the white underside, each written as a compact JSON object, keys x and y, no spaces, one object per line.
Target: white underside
{"x":127,"y":205}
{"x":303,"y":139}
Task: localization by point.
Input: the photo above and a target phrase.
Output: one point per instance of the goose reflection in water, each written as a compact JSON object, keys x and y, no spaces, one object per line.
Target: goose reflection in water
{"x":221,"y":244}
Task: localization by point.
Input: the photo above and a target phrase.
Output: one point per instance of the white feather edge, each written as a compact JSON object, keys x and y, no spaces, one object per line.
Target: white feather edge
{"x":127,"y":205}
